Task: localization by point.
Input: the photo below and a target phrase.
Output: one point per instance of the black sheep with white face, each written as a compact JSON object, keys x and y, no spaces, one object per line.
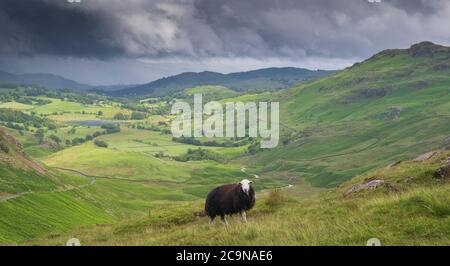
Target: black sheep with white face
{"x":230,"y":199}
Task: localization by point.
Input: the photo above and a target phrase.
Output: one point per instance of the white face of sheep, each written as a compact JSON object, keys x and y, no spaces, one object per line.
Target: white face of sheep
{"x":245,"y":184}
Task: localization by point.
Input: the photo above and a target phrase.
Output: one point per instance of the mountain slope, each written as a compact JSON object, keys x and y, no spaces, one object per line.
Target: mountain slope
{"x":269,"y":78}
{"x":390,"y":107}
{"x":45,"y":80}
{"x":35,"y":200}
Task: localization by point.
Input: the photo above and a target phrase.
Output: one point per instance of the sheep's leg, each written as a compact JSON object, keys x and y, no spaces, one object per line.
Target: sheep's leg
{"x":211,"y":220}
{"x":224,"y":219}
{"x":244,"y":216}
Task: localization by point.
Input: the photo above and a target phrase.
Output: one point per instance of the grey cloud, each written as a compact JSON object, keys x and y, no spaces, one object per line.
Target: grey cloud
{"x":248,"y":33}
{"x":223,"y":28}
{"x":47,"y":27}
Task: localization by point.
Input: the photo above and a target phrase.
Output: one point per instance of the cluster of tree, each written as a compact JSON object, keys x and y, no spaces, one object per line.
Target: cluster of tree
{"x":32,"y":101}
{"x":135,"y":107}
{"x":55,"y":138}
{"x":3,"y":147}
{"x":40,"y":135}
{"x":101,"y":143}
{"x":78,"y":140}
{"x":13,"y":117}
{"x":144,"y":127}
{"x":160,"y":110}
{"x":134,"y":116}
{"x":160,"y":154}
{"x":121,"y":116}
{"x":17,"y":93}
{"x":163,"y":130}
{"x":198,"y":155}
{"x":213,"y":143}
{"x":13,"y":126}
{"x":111,"y":128}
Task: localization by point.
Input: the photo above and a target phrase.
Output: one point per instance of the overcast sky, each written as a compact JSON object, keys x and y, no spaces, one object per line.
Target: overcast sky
{"x":136,"y":41}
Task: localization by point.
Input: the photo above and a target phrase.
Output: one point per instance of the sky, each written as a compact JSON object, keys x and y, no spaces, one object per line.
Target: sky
{"x":102,"y":42}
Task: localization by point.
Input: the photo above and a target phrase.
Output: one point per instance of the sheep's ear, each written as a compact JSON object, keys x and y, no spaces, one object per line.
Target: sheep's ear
{"x":251,"y":182}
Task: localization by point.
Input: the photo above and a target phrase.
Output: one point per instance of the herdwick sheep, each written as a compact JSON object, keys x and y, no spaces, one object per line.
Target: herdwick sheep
{"x":230,"y":199}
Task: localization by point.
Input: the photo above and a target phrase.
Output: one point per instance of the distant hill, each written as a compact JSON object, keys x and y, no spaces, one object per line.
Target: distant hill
{"x":109,"y":88}
{"x":45,"y":80}
{"x":268,"y":78}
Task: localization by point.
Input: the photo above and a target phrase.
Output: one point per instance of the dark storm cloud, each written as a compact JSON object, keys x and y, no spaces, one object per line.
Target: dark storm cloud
{"x":129,"y":41}
{"x":47,"y":27}
{"x":217,"y":28}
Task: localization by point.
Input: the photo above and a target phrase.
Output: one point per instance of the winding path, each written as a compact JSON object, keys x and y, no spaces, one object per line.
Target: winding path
{"x":10,"y":197}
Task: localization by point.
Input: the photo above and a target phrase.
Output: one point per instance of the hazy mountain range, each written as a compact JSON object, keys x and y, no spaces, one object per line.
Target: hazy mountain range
{"x":267,"y":78}
{"x":45,"y":80}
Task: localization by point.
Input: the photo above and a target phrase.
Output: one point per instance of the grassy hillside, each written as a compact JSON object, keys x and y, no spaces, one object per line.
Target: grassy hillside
{"x":35,"y":200}
{"x":393,"y":106}
{"x":409,"y":207}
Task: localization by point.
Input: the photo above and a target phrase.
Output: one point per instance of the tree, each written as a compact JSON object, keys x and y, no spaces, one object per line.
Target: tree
{"x":55,"y":138}
{"x":101,"y":143}
{"x":40,"y":134}
{"x":78,"y":141}
{"x":120,"y":116}
{"x":138,"y":116}
{"x":111,"y":128}
{"x":3,"y":147}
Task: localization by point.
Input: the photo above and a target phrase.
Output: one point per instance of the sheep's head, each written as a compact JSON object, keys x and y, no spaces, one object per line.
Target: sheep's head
{"x":245,"y":185}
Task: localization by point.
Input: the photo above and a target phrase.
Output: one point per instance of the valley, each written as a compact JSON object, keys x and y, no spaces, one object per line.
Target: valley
{"x":106,"y":169}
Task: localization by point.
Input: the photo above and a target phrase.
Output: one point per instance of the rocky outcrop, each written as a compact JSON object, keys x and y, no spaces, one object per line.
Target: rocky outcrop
{"x":372,"y":184}
{"x":426,"y":49}
{"x":446,"y":144}
{"x":16,"y":156}
{"x":425,"y":156}
{"x":444,"y":171}
{"x":394,"y":164}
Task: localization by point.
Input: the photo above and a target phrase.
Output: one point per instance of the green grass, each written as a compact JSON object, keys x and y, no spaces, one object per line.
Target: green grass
{"x":211,"y":92}
{"x":15,"y":105}
{"x":59,"y":106}
{"x":415,"y":214}
{"x":152,"y":142}
{"x":37,"y":214}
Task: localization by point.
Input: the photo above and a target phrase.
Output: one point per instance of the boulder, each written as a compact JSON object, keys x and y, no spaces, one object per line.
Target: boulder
{"x":394,"y":164}
{"x":425,"y":156}
{"x":443,"y":172}
{"x":446,"y":144}
{"x":373,"y":184}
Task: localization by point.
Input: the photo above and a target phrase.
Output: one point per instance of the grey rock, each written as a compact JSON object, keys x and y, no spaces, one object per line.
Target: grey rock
{"x":425,"y":156}
{"x":369,"y":185}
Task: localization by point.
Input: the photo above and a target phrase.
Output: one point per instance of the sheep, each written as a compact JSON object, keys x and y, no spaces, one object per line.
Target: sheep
{"x":230,"y":199}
